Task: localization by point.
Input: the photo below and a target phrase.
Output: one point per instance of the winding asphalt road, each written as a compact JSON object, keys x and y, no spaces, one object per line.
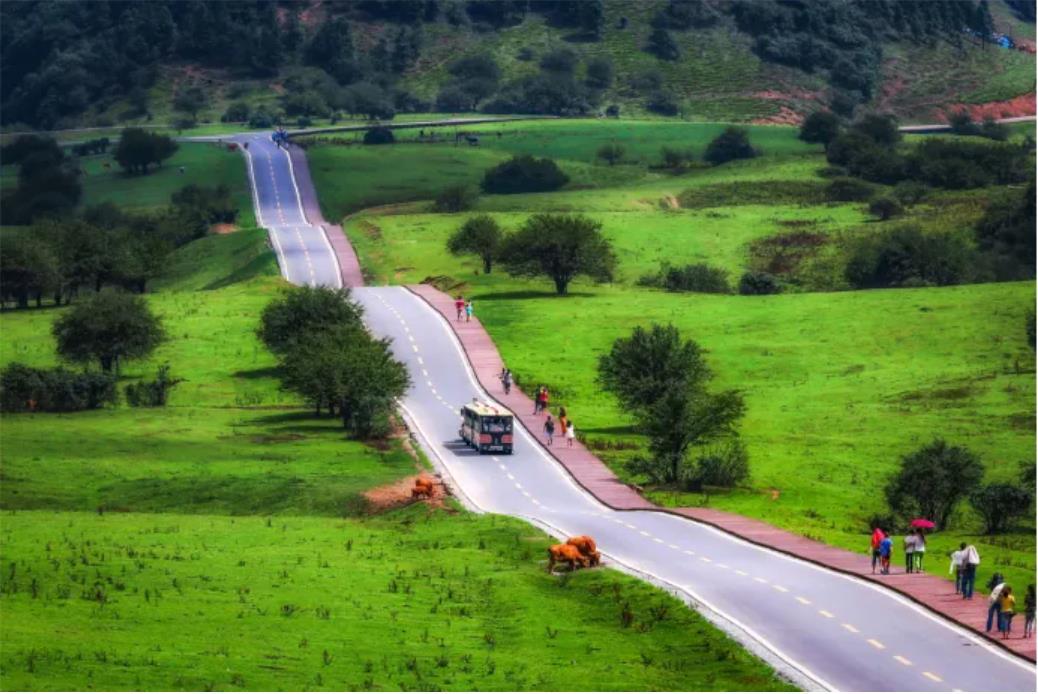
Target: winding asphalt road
{"x":824,"y":629}
{"x":304,"y":254}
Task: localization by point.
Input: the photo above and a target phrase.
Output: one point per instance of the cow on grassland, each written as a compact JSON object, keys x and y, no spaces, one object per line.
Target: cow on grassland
{"x":586,"y":545}
{"x":422,"y":487}
{"x":558,"y":554}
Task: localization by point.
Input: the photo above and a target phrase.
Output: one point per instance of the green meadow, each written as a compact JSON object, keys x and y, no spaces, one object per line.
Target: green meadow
{"x":838,"y":385}
{"x":224,"y":542}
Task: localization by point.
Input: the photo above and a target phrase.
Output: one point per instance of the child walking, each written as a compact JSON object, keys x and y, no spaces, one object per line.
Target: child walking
{"x":571,"y":436}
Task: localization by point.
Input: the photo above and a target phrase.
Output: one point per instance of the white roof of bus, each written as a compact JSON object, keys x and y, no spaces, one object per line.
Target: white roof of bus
{"x":486,"y":409}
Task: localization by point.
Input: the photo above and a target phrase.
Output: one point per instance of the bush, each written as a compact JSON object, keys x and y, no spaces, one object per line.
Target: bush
{"x":599,"y":73}
{"x":732,"y":144}
{"x":27,"y":389}
{"x":664,"y":103}
{"x":724,"y":466}
{"x":612,"y":111}
{"x":455,"y":199}
{"x":1001,"y":504}
{"x":674,"y":158}
{"x":211,"y":205}
{"x":238,"y":112}
{"x":932,"y":480}
{"x":758,"y":283}
{"x":379,"y":136}
{"x":846,"y":189}
{"x":610,"y":153}
{"x":885,"y":208}
{"x":698,"y":277}
{"x":820,"y":127}
{"x":910,"y":193}
{"x":152,"y":393}
{"x":908,"y":257}
{"x":262,"y":120}
{"x":524,"y":174}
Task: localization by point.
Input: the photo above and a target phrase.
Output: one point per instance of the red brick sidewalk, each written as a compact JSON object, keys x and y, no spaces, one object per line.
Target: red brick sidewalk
{"x":593,"y":475}
{"x":349,"y":266}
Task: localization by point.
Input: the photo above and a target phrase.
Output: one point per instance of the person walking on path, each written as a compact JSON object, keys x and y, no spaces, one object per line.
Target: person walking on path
{"x":877,"y":537}
{"x":1029,"y":612}
{"x":970,"y":562}
{"x":920,"y":549}
{"x":995,"y":584}
{"x":910,"y":552}
{"x":1007,"y":610}
{"x":562,"y":421}
{"x":549,"y":430}
{"x":571,"y":434}
{"x":886,"y":548}
{"x":956,"y":567}
{"x":538,"y":400}
{"x":459,"y":307}
{"x":468,"y":311}
{"x":506,"y":380}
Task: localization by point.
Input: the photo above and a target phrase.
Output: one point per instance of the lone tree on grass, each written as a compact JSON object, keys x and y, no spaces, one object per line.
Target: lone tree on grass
{"x":560,"y":247}
{"x":479,"y":235}
{"x":733,"y":143}
{"x":1001,"y":504}
{"x":933,"y":480}
{"x":611,"y":153}
{"x":662,"y":380}
{"x":885,"y":207}
{"x":821,"y":127}
{"x":138,"y":149}
{"x":191,"y":100}
{"x":302,"y":311}
{"x":108,"y":328}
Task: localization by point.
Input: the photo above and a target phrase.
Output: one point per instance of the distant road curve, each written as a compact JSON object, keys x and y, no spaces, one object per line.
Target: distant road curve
{"x":944,"y":127}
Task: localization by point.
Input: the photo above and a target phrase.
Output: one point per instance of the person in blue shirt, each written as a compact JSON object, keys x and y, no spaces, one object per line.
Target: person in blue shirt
{"x":886,"y":548}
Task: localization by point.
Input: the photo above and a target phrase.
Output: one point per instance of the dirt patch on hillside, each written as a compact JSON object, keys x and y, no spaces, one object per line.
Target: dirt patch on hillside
{"x":785,"y":116}
{"x":1023,"y":105}
{"x":370,"y":229}
{"x":223,"y":228}
{"x":398,"y":494}
{"x":669,"y":202}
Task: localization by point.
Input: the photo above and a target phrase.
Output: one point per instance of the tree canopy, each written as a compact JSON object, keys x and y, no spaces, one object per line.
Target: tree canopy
{"x":560,"y":247}
{"x":138,"y":149}
{"x":108,"y":328}
{"x":305,"y":310}
{"x":480,"y":235}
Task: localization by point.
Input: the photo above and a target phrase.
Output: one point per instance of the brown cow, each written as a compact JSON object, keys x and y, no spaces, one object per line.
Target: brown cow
{"x":422,"y":487}
{"x":586,"y":545}
{"x":569,"y":554}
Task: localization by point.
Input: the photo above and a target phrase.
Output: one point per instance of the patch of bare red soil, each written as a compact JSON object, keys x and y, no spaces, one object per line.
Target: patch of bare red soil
{"x":223,"y":228}
{"x":1023,"y":105}
{"x":785,"y":116}
{"x":398,"y":494}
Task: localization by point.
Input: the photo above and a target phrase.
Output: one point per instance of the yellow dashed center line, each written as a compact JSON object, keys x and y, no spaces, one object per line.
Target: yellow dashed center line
{"x":931,"y":676}
{"x":851,"y":628}
{"x":902,"y":659}
{"x":825,"y":613}
{"x":876,"y":644}
{"x":803,"y":601}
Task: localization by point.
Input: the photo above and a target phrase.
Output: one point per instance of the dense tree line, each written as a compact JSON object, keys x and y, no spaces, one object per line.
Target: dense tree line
{"x":327,"y":357}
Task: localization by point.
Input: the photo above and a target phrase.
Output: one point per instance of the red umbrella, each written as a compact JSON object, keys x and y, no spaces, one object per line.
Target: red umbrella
{"x":923,"y":523}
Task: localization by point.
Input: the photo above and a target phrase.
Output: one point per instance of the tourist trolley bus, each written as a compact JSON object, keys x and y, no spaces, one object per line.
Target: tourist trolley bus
{"x":487,"y":428}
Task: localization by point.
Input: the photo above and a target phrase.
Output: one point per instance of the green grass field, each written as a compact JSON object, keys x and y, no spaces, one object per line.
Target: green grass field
{"x":224,"y":543}
{"x":414,"y":600}
{"x":838,"y":385}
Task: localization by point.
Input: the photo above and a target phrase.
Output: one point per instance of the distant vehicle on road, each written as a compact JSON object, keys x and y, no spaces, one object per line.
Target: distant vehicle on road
{"x":487,"y":428}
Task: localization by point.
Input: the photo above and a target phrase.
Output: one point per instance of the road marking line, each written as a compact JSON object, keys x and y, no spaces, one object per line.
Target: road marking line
{"x":758,"y":579}
{"x":429,"y":383}
{"x":851,"y":628}
{"x":632,"y":527}
{"x":502,"y":466}
{"x":826,"y":613}
{"x":876,"y":644}
{"x":656,"y":539}
{"x":902,"y":659}
{"x":420,"y":362}
{"x":673,"y":546}
{"x":645,"y":533}
{"x":930,"y":676}
{"x":722,"y":566}
{"x":510,"y":476}
{"x":690,"y":553}
{"x":535,"y":502}
{"x":526,"y":493}
{"x":803,"y":601}
{"x":706,"y":559}
{"x":779,"y":588}
{"x":741,"y":573}
{"x":495,"y":459}
{"x":518,"y":486}
{"x":414,"y":347}
{"x":425,"y":373}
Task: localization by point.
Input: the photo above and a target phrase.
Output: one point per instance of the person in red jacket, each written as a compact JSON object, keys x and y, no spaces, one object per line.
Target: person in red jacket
{"x":877,"y":539}
{"x":459,"y":307}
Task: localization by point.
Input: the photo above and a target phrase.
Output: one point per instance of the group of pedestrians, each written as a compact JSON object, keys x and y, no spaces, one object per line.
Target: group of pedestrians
{"x":1002,"y":607}
{"x":463,"y":308}
{"x":564,"y":425}
{"x":964,"y":563}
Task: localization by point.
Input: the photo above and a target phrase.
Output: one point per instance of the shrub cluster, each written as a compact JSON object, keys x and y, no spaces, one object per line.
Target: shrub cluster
{"x":152,"y":393}
{"x":696,"y":277}
{"x":27,"y":389}
{"x":524,"y":174}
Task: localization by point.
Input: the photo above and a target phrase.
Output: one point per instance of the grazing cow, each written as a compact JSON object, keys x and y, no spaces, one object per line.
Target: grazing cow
{"x":586,"y":545}
{"x":232,"y":147}
{"x":569,"y":554}
{"x":422,"y":487}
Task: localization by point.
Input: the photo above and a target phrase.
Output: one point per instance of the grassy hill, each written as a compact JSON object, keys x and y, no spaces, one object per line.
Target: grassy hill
{"x":227,"y":541}
{"x":719,"y":74}
{"x":838,"y":385}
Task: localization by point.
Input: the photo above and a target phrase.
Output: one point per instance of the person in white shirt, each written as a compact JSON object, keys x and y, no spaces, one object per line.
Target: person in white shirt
{"x":956,"y":567}
{"x":997,"y":583}
{"x":910,"y":543}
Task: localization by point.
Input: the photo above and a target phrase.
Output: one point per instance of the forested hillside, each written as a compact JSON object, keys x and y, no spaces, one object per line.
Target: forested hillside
{"x":70,"y":64}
